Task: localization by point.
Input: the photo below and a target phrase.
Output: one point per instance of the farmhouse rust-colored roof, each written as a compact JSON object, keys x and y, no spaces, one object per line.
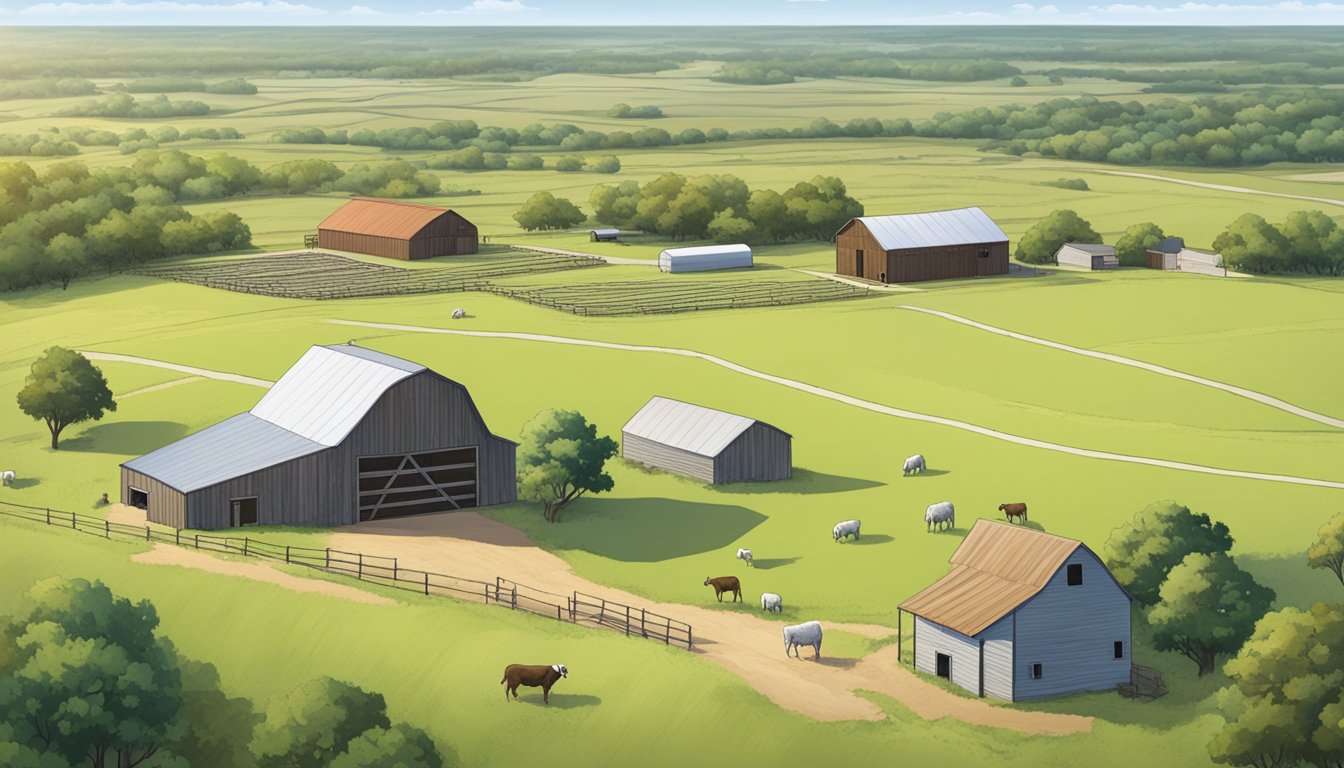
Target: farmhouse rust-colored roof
{"x":382,"y":218}
{"x":997,"y":568}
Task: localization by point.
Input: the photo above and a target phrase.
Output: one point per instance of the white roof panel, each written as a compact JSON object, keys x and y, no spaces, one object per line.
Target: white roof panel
{"x":692,"y":428}
{"x":963,"y":226}
{"x":233,"y":447}
{"x":708,"y":250}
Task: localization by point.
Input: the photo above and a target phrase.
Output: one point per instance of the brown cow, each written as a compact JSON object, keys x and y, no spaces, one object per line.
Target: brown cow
{"x":1017,"y":509}
{"x":723,"y":584}
{"x":532,"y":675}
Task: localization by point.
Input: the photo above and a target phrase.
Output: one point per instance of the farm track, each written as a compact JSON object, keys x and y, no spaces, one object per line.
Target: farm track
{"x":1220,"y":187}
{"x":1249,"y":394}
{"x":866,"y":404}
{"x":202,"y":372}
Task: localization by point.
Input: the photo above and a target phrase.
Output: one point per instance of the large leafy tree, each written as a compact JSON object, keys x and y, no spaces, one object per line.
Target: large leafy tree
{"x":218,"y":728}
{"x":1132,"y":247}
{"x":64,"y":388}
{"x":314,"y":723}
{"x":1039,"y":244}
{"x":1142,"y":552}
{"x":400,"y":746}
{"x":546,"y":211}
{"x":1328,"y":551}
{"x":561,"y":459}
{"x":1284,"y":707}
{"x":1208,"y":608}
{"x":84,"y":677}
{"x":1252,"y":244}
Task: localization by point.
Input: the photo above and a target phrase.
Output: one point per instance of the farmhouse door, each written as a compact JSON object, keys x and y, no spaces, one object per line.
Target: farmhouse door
{"x":243,"y":512}
{"x":858,"y":263}
{"x":401,"y":484}
{"x":943,"y":663}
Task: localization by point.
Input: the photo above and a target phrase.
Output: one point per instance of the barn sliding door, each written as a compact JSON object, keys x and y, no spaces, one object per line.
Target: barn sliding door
{"x":416,"y":483}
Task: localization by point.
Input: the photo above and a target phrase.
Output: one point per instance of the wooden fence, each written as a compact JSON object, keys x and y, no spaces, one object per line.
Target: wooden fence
{"x":575,"y":608}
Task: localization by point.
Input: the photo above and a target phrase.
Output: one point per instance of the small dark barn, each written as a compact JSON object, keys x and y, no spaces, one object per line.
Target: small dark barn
{"x":1166,"y":254}
{"x":405,"y":231}
{"x":706,"y":444}
{"x":907,"y":248}
{"x":346,"y":435}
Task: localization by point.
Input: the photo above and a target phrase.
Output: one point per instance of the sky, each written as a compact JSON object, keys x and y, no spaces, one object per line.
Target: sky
{"x":700,"y":12}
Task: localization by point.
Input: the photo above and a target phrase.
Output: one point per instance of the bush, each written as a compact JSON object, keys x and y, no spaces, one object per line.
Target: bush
{"x":1018,"y":81}
{"x":1078,"y":185}
{"x":607,"y":164}
{"x":646,"y":112}
{"x":1039,"y":244}
{"x":569,"y":164}
{"x":546,"y":211}
{"x":525,"y":163}
{"x":1132,"y":248}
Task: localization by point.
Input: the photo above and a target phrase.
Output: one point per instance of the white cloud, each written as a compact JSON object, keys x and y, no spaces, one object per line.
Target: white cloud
{"x":362,"y":10}
{"x":495,"y":6}
{"x":1029,"y":8}
{"x":121,"y":7}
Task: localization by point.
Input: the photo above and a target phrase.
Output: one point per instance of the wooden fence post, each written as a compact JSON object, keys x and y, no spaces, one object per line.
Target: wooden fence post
{"x":327,"y":563}
{"x":73,"y":527}
{"x":286,"y":554}
{"x":514,"y":600}
{"x":107,"y":529}
{"x":48,"y":515}
{"x":361,"y":566}
{"x":688,"y":637}
{"x":395,"y":569}
{"x":146,"y":533}
{"x":643,"y":622}
{"x":198,"y":541}
{"x":177,"y":536}
{"x":426,"y":582}
{"x":244,"y":546}
{"x":627,"y":621}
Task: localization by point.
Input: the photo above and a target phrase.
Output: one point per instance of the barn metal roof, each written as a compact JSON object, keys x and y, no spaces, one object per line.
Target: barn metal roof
{"x":962,"y":226}
{"x":1169,"y":245}
{"x":233,"y":447}
{"x":692,"y":428}
{"x":997,"y":568}
{"x":382,"y":218}
{"x":707,"y":250}
{"x":330,"y":389}
{"x":1096,"y":249}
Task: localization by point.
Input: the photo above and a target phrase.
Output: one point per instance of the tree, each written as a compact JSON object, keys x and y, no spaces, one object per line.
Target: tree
{"x":546,"y":211}
{"x":84,"y":676}
{"x":1328,"y":551}
{"x":314,"y":723}
{"x":396,"y":747}
{"x":1018,"y":81}
{"x":67,"y":258}
{"x":1283,"y":706}
{"x":1251,"y":244}
{"x":64,"y":388}
{"x":1208,"y":608}
{"x":569,"y":164}
{"x":1141,"y":553}
{"x":218,"y":728}
{"x":560,"y":459}
{"x":607,"y":164}
{"x":1039,"y":244}
{"x":728,"y":228}
{"x":1132,"y":247}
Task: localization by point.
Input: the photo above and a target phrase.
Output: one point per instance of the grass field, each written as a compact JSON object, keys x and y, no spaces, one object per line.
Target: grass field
{"x":657,"y":535}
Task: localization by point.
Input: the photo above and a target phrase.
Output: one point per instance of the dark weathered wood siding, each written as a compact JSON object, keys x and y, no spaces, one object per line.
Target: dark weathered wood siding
{"x":447,"y":235}
{"x":167,"y":506}
{"x":762,"y":453}
{"x":912,"y":265}
{"x":665,"y":457}
{"x":852,"y":239}
{"x":420,"y":413}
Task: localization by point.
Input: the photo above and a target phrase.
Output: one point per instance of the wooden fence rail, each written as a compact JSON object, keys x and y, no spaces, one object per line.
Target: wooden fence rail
{"x":385,"y":571}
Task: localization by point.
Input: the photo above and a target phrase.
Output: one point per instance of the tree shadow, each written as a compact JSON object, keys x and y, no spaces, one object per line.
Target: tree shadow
{"x":804,"y":481}
{"x":20,"y":483}
{"x":561,"y":700}
{"x":126,"y":437}
{"x":765,"y":564}
{"x":650,"y":530}
{"x":1293,"y":582}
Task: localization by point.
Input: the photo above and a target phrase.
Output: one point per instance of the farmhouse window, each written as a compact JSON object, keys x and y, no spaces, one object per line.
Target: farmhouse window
{"x":1036,"y":671}
{"x":1119,"y":649}
{"x":984,"y":254}
{"x":1075,"y":575}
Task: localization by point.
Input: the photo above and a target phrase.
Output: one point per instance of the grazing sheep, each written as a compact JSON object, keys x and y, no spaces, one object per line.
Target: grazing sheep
{"x":940,"y":513}
{"x":772,"y":603}
{"x":7,"y":477}
{"x":533,"y":676}
{"x":744,"y":554}
{"x":847,"y":528}
{"x":459,"y":313}
{"x":914,"y":464}
{"x":803,"y":634}
{"x":1017,"y":509}
{"x":723,"y":584}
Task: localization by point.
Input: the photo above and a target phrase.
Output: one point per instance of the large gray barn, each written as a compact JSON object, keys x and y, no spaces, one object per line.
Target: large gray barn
{"x":1023,"y":615}
{"x":346,"y":435}
{"x":706,"y":444}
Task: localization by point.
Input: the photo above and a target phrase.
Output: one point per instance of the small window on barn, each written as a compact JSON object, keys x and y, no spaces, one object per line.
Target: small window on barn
{"x":1036,"y":671}
{"x":1119,"y":649}
{"x":1075,"y":574}
{"x":984,"y":254}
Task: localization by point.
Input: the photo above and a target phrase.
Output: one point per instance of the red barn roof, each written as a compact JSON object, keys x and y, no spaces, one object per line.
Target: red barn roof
{"x":382,"y":218}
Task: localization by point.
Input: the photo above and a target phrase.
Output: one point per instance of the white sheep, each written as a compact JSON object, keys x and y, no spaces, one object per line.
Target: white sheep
{"x":914,"y":464}
{"x":7,"y":477}
{"x":847,"y":528}
{"x":772,"y":603}
{"x":459,"y":313}
{"x":940,"y":513}
{"x":803,"y":634}
{"x":745,"y":555}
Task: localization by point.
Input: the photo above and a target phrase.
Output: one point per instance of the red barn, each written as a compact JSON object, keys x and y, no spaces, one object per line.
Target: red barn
{"x":397,"y":230}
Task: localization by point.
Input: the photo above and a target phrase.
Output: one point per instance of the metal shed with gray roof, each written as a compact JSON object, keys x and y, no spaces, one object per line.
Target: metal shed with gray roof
{"x":912,"y":247}
{"x":348,"y":434}
{"x":705,"y":444}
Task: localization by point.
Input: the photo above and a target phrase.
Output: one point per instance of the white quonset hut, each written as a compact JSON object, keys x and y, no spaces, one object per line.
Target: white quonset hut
{"x":1087,"y":256}
{"x":706,"y":444}
{"x":702,"y":258}
{"x":1023,"y":615}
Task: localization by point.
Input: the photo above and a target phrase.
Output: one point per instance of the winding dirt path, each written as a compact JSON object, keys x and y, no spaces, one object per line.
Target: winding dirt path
{"x":112,"y":357}
{"x":470,"y":545}
{"x":167,"y":554}
{"x":1220,"y":187}
{"x":864,"y":404}
{"x":1249,"y":394}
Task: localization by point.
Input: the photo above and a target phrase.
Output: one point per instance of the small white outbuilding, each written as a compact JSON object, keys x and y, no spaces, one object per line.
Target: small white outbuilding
{"x":1087,"y":256}
{"x":705,"y":257}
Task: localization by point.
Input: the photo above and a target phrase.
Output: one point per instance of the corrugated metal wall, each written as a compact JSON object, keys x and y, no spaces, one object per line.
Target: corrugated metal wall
{"x":762,"y":453}
{"x":931,"y":639}
{"x":167,"y":506}
{"x":667,"y":458}
{"x":998,"y":674}
{"x":1071,"y":632}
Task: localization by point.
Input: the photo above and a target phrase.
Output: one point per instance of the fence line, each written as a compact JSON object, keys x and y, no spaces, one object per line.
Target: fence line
{"x":574,"y":608}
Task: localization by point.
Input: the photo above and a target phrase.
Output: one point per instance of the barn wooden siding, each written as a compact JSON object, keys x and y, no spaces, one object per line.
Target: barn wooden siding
{"x":420,"y":413}
{"x":449,"y":234}
{"x":665,"y":457}
{"x":912,"y":265}
{"x":932,"y":639}
{"x":1071,"y":632}
{"x":997,"y":674}
{"x":167,"y":505}
{"x":760,"y":454}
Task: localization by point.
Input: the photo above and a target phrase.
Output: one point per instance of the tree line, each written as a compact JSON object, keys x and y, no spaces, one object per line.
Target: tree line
{"x":126,"y":105}
{"x":59,"y":142}
{"x":787,"y":69}
{"x":174,"y":84}
{"x":87,"y":679}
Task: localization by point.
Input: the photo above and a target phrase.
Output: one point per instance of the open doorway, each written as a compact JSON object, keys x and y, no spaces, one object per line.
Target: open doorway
{"x":943,"y":665}
{"x":858,"y":263}
{"x":243,"y":512}
{"x":139,"y":499}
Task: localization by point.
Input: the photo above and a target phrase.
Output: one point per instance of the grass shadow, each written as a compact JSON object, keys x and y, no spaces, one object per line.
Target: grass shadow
{"x":766,"y":564}
{"x":647,"y":530}
{"x":561,"y":700}
{"x":804,"y":481}
{"x":1293,"y":582}
{"x":133,"y":437}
